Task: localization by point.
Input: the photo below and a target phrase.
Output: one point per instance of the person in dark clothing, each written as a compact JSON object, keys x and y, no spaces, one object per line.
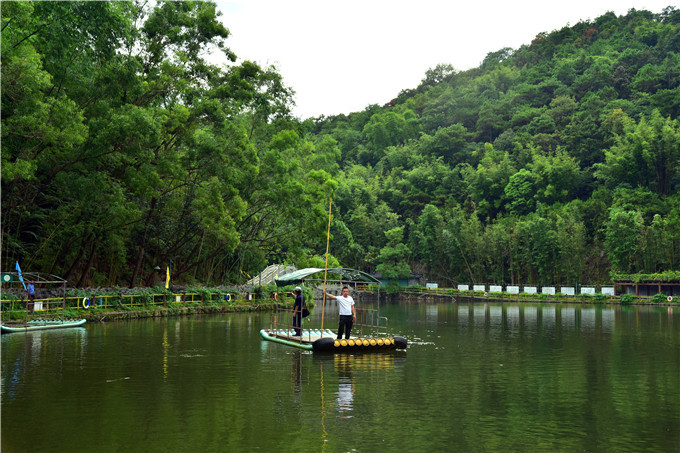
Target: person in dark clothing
{"x":297,"y":311}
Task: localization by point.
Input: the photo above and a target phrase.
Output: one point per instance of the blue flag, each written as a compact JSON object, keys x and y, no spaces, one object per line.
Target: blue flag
{"x":20,"y":276}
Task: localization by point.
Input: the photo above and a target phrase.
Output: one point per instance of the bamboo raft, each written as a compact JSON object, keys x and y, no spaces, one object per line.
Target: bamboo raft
{"x":317,"y":340}
{"x":325,"y":339}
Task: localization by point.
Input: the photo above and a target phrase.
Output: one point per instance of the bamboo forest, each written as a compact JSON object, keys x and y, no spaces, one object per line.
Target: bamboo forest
{"x":126,"y":148}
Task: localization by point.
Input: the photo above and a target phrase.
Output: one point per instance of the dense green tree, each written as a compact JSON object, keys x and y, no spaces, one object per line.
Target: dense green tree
{"x":393,"y":258}
{"x":434,"y":76}
{"x":557,"y":176}
{"x":624,"y":239}
{"x":452,"y":143}
{"x":487,"y":182}
{"x":538,"y":249}
{"x":663,"y":243}
{"x":391,"y":128}
{"x":427,"y":238}
{"x":143,"y":129}
{"x":496,"y":243}
{"x":647,"y":154}
{"x":126,"y":148}
{"x":572,"y":240}
{"x":520,"y":192}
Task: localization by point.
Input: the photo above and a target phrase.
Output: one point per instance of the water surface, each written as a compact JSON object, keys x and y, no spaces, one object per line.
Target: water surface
{"x":475,"y":377}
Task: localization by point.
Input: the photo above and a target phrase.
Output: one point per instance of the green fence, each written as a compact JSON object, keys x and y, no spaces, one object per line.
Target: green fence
{"x":57,"y":305}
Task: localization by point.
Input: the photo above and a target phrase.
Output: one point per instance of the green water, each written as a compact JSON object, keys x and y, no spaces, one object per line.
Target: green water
{"x":474,"y":378}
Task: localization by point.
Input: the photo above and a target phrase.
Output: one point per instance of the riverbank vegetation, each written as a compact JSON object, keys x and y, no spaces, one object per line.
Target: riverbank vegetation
{"x":116,"y":304}
{"x":122,"y":303}
{"x":126,"y":149}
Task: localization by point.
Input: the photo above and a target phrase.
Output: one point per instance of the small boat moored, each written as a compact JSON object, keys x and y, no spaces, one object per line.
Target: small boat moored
{"x":37,"y":314}
{"x":41,"y":324}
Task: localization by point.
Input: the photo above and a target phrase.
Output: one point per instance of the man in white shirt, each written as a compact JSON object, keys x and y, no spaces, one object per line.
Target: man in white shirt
{"x":347,"y":312}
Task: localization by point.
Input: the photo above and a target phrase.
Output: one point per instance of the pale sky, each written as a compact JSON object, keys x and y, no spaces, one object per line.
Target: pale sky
{"x":341,"y":56}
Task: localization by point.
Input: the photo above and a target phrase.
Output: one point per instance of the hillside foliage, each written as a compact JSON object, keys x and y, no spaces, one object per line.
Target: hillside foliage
{"x":125,"y":149}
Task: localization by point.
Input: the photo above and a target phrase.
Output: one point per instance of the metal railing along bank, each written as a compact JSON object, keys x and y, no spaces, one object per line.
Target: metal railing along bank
{"x":125,"y":301}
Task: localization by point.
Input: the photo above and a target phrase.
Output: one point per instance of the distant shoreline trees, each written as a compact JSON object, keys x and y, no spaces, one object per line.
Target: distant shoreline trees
{"x":126,"y":150}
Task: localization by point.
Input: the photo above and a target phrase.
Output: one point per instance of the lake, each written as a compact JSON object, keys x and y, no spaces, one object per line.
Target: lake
{"x":475,"y":377}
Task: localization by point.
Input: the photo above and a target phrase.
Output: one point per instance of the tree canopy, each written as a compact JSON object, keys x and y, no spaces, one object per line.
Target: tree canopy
{"x":125,"y":149}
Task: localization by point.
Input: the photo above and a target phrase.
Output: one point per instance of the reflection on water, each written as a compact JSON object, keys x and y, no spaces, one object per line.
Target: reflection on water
{"x":479,"y":314}
{"x":166,"y":347}
{"x":22,"y":354}
{"x":496,"y":315}
{"x":530,"y":316}
{"x":514,"y":318}
{"x":475,"y":377}
{"x":463,"y":311}
{"x":548,"y":316}
{"x":345,"y":394}
{"x":567,"y":317}
{"x":432,"y":312}
{"x":608,"y":319}
{"x":512,"y":313}
{"x":338,"y":375}
{"x":296,"y":372}
{"x":588,"y":318}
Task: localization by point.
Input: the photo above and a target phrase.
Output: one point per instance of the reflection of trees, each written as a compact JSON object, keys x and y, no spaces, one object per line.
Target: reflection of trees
{"x":22,"y":354}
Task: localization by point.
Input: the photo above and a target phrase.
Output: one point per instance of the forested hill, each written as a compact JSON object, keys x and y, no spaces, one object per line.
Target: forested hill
{"x":553,"y":163}
{"x":125,"y":150}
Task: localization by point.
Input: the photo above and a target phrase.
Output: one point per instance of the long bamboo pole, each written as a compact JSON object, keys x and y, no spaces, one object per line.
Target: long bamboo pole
{"x":325,"y":271}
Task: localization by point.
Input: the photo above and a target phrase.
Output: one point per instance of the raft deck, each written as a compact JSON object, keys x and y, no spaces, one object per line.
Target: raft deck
{"x":326,"y":340}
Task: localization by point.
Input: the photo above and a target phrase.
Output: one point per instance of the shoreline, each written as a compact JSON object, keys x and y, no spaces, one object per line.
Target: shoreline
{"x":166,"y":308}
{"x":166,"y":312}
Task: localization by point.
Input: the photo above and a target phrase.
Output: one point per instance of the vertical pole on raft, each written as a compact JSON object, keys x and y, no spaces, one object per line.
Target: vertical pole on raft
{"x":377,"y":321}
{"x":325,"y":271}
